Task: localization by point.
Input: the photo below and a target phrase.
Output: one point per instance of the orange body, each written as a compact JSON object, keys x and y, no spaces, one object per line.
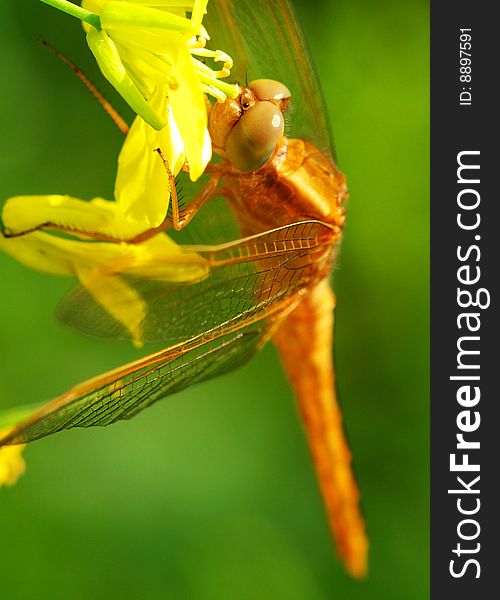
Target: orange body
{"x":305,"y":342}
{"x":300,"y":183}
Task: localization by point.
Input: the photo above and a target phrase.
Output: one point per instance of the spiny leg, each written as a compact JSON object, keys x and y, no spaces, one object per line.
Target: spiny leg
{"x":178,"y":221}
{"x":207,"y":192}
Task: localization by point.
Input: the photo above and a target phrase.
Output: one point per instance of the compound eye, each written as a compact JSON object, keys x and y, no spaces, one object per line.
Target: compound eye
{"x":253,"y":139}
{"x":247,"y":99}
{"x":272,"y":91}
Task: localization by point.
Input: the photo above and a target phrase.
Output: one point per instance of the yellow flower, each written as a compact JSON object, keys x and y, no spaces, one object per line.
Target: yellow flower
{"x":139,"y":47}
{"x":142,"y":191}
{"x":147,"y":49}
{"x":142,"y":183}
{"x":156,"y":48}
{"x":12,"y":464}
{"x":142,"y":195}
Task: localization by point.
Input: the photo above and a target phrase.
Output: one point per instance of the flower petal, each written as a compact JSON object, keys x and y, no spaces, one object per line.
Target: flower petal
{"x":190,"y":112}
{"x":159,"y":42}
{"x":26,"y":213}
{"x":99,"y":266}
{"x":120,"y":300}
{"x":12,"y":464}
{"x":161,"y":259}
{"x":142,"y":187}
{"x":128,"y":15}
{"x":94,"y":6}
{"x":35,"y":250}
{"x":148,"y":70}
{"x":111,"y":65}
{"x":174,"y":6}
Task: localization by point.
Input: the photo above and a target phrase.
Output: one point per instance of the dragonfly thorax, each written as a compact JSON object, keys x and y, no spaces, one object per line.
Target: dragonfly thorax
{"x":247,"y":129}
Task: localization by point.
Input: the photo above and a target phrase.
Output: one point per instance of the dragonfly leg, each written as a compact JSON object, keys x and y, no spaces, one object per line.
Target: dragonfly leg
{"x":181,"y":218}
{"x":208,"y":191}
{"x":107,"y":106}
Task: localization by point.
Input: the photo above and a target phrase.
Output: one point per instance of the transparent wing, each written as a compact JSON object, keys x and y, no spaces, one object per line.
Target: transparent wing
{"x":245,"y":277}
{"x":124,"y":392}
{"x":265,"y":41}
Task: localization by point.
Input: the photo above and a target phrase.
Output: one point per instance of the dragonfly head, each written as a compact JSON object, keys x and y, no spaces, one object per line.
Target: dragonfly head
{"x":246,"y":130}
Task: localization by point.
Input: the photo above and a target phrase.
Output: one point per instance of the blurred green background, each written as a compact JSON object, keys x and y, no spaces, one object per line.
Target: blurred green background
{"x":210,"y":494}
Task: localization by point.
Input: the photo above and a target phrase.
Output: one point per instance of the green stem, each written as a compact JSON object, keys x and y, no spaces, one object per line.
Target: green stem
{"x":76,"y":11}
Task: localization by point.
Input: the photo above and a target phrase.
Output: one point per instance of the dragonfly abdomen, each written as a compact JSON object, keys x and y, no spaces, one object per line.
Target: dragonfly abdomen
{"x":305,"y":341}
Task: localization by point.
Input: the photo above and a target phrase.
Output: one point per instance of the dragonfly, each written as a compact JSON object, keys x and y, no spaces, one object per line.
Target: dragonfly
{"x":277,"y":179}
